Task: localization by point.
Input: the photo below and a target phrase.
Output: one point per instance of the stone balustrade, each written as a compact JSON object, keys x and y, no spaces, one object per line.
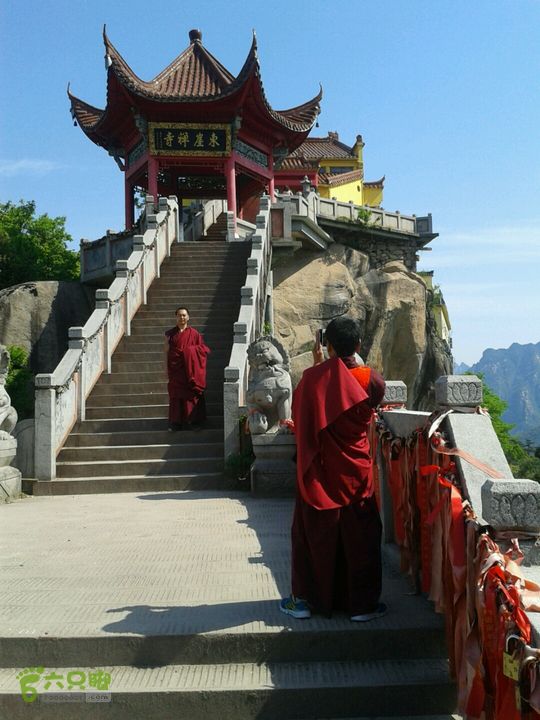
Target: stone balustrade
{"x":249,"y":325}
{"x":98,"y":258}
{"x":61,"y":395}
{"x":505,"y":504}
{"x":317,"y":208}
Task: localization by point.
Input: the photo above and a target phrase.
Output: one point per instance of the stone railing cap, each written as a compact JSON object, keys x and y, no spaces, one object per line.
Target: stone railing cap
{"x":231,"y":374}
{"x":512,"y":503}
{"x":458,"y":390}
{"x":395,"y":392}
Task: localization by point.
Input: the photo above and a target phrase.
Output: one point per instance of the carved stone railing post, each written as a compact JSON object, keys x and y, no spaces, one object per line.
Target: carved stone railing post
{"x":231,"y":401}
{"x":45,"y":437}
{"x":138,"y":246}
{"x":178,"y":220}
{"x":231,"y":226}
{"x":77,"y":342}
{"x":512,"y":504}
{"x":103,"y":303}
{"x":458,"y":391}
{"x":395,"y":393}
{"x":122,"y":271}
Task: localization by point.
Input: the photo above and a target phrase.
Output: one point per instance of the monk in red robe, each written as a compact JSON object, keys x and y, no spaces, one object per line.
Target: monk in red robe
{"x":186,"y":355}
{"x":336,"y":532}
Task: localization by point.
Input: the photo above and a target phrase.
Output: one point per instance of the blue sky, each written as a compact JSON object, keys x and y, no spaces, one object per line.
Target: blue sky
{"x":444,"y":92}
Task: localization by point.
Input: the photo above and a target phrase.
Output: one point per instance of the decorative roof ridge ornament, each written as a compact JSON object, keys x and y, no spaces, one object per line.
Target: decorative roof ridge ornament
{"x":108,"y":59}
{"x":195,"y":35}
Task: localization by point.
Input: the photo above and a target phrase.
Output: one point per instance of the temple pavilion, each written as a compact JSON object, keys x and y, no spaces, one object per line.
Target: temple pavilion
{"x":195,"y":130}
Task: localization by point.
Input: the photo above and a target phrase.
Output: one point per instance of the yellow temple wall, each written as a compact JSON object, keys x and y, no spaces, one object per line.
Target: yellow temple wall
{"x":373,"y":196}
{"x":344,"y":193}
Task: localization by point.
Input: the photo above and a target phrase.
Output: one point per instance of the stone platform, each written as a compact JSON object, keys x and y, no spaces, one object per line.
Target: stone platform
{"x":176,"y":595}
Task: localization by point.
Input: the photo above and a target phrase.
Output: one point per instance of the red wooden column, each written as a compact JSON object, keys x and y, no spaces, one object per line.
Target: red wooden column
{"x":129,"y":204}
{"x":271,"y":182}
{"x":230,"y":176}
{"x":153,"y":168}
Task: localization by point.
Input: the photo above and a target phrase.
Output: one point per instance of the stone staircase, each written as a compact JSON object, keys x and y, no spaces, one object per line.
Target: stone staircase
{"x":123,"y":444}
{"x":218,"y":230}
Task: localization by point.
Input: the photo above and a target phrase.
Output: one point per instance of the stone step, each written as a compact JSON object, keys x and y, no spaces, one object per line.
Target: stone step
{"x":233,"y":269}
{"x":157,"y":365}
{"x":212,"y":328}
{"x":143,"y":467}
{"x":187,"y":281}
{"x":228,"y":249}
{"x":155,"y":352}
{"x":115,"y":400}
{"x":127,"y":388}
{"x":236,"y":265}
{"x":104,"y":395}
{"x":143,"y":423}
{"x":267,"y":691}
{"x":219,"y":312}
{"x":213,"y":392}
{"x":128,"y":484}
{"x":146,"y":331}
{"x":212,"y":377}
{"x":185,"y":286}
{"x":142,"y":452}
{"x":204,"y":302}
{"x":82,"y":438}
{"x":213,"y":410}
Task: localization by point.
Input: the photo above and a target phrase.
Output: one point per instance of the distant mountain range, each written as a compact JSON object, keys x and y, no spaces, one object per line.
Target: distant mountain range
{"x":514,"y":375}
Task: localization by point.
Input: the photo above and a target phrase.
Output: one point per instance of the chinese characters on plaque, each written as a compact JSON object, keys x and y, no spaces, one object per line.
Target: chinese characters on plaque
{"x":189,"y":139}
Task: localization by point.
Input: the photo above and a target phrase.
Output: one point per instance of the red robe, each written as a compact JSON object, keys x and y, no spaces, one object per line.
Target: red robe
{"x":336,"y":533}
{"x":186,"y":366}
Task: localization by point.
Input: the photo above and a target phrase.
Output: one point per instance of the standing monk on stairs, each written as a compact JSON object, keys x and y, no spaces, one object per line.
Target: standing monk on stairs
{"x":185,"y":357}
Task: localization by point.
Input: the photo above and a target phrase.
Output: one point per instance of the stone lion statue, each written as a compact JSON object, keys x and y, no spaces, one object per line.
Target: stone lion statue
{"x":269,"y":390}
{"x":8,"y":414}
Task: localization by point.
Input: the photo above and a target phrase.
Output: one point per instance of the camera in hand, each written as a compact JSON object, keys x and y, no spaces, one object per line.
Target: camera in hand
{"x":321,"y":335}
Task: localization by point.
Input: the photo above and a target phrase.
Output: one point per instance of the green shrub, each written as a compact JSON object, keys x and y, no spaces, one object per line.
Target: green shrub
{"x":20,"y":382}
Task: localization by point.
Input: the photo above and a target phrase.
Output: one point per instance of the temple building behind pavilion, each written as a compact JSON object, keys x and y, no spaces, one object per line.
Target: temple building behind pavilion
{"x":196,"y":131}
{"x":333,"y":168}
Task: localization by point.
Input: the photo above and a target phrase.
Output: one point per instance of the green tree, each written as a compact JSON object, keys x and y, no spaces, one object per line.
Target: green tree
{"x":33,"y":247}
{"x":523,"y":464}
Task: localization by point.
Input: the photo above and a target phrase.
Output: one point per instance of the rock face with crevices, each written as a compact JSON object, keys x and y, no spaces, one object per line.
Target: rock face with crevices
{"x":37,"y":315}
{"x":390,"y":302}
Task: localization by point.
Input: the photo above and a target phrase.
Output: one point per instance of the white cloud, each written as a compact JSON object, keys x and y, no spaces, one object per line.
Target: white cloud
{"x":27,"y":166}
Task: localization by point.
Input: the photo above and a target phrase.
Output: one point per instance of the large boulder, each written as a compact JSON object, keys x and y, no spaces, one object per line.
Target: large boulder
{"x":399,"y":337}
{"x":37,"y":315}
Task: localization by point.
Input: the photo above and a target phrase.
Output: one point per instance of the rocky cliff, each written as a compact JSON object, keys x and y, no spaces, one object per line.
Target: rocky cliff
{"x":390,"y":302}
{"x":514,"y":375}
{"x":37,"y":316}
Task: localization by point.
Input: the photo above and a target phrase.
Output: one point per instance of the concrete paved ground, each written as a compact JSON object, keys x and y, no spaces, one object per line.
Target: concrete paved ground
{"x":157,"y":564}
{"x":175,"y":594}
